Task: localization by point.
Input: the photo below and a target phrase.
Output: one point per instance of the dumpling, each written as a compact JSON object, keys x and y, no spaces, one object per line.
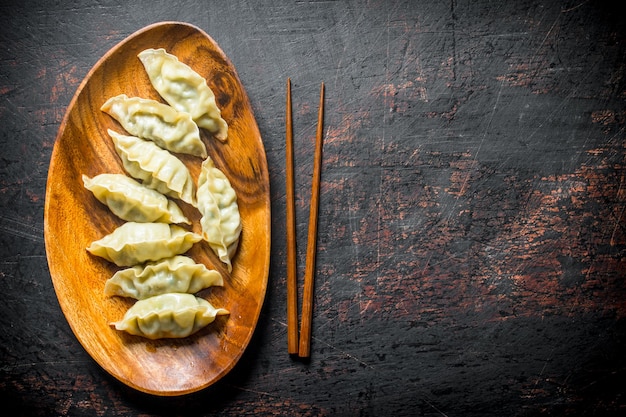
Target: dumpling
{"x":184,"y":89}
{"x":158,"y":122}
{"x":156,"y":167}
{"x":217,"y":202}
{"x":179,"y":274}
{"x":135,"y":243}
{"x":170,"y":315}
{"x":132,"y":201}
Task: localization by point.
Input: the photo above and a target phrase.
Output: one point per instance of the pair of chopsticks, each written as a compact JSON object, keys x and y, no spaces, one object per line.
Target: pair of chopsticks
{"x":302,"y":347}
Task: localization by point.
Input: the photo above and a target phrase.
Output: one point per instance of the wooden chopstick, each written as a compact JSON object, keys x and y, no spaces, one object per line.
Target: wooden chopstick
{"x":311,"y":249}
{"x":292,"y":282}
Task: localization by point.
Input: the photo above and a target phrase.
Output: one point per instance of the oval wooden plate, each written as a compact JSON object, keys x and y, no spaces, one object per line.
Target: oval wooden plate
{"x":74,"y":218}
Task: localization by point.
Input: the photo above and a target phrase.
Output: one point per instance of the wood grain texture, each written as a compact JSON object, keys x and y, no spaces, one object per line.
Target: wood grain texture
{"x":308,"y":294}
{"x":74,"y":219}
{"x":471,"y":233}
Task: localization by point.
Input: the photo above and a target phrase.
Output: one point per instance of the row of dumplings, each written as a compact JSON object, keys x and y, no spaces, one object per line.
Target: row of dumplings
{"x":151,"y":242}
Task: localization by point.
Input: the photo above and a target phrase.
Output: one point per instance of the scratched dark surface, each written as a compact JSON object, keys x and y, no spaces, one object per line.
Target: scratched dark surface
{"x":472,"y":238}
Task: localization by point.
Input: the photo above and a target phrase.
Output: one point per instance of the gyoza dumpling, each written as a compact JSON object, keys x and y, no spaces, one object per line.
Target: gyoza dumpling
{"x":158,"y":122}
{"x":156,"y":167}
{"x":132,"y":201}
{"x":168,"y":316}
{"x":135,"y":243}
{"x":217,"y":202}
{"x":184,"y":89}
{"x":179,"y":274}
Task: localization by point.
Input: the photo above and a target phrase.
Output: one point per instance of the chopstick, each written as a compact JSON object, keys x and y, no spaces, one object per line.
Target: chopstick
{"x":292,"y":282}
{"x":311,"y":249}
{"x":301,"y":347}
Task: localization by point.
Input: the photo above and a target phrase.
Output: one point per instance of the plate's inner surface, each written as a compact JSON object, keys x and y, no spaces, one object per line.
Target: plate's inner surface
{"x":74,"y":218}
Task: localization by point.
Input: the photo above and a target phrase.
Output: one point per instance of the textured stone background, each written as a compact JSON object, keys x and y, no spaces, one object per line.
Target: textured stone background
{"x":472,"y":238}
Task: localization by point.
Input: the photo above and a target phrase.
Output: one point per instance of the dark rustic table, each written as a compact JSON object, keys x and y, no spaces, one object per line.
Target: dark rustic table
{"x":472,"y":238}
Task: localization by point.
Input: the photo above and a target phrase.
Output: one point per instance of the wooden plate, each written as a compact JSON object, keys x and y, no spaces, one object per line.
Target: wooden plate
{"x":74,"y":218}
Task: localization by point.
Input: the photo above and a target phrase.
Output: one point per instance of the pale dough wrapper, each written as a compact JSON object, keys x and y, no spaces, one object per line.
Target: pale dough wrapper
{"x":184,"y":89}
{"x":148,"y":119}
{"x":131,"y":201}
{"x":135,"y":243}
{"x":170,"y":315}
{"x":220,"y":221}
{"x":156,"y":167}
{"x":178,"y":274}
